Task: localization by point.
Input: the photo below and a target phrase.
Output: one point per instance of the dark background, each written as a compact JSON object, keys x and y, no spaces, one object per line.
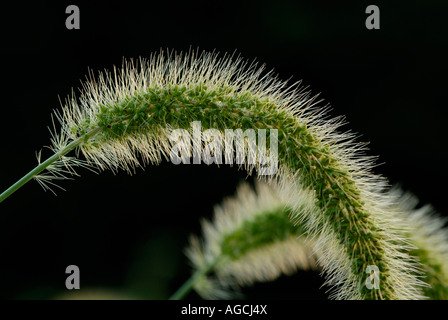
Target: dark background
{"x":127,"y":233}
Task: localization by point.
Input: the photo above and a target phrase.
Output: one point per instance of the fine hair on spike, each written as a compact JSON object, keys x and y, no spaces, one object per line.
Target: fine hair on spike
{"x":123,"y":119}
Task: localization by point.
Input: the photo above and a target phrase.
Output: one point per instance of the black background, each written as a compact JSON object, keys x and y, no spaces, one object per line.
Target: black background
{"x":127,"y":233}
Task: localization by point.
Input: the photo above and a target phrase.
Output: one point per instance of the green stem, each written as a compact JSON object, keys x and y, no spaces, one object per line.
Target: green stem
{"x":189,"y":284}
{"x":185,"y":288}
{"x":42,"y":166}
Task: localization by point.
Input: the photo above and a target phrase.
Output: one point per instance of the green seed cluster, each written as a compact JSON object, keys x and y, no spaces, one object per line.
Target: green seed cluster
{"x":266,"y":228}
{"x":179,"y":106}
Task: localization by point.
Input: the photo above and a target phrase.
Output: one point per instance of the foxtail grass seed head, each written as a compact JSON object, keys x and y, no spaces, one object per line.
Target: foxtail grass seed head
{"x":251,"y":239}
{"x":131,"y":116}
